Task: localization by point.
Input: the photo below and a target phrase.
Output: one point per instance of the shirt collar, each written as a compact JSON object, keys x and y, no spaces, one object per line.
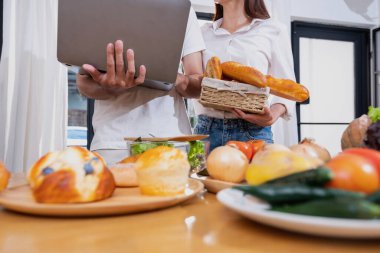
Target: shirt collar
{"x":216,"y":25}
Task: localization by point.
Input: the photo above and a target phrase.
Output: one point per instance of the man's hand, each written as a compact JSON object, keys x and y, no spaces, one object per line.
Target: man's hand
{"x":268,"y":118}
{"x":116,"y":78}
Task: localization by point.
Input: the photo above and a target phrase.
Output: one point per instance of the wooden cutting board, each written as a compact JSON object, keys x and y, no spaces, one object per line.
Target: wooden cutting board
{"x":123,"y":201}
{"x":195,"y":137}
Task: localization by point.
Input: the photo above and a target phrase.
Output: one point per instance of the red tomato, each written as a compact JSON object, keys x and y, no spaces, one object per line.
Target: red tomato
{"x":353,"y":173}
{"x":256,"y":145}
{"x":370,"y":154}
{"x":244,"y":147}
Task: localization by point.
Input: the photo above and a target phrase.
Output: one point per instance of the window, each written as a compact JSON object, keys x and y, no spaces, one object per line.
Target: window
{"x":333,"y":63}
{"x":77,"y":112}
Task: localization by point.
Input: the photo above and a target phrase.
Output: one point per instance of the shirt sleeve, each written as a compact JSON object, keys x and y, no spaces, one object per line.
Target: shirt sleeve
{"x":282,"y":66}
{"x":193,"y":39}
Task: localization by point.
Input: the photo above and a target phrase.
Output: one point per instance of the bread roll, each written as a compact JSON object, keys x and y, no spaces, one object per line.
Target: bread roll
{"x":74,"y":175}
{"x":4,"y":176}
{"x":163,"y":171}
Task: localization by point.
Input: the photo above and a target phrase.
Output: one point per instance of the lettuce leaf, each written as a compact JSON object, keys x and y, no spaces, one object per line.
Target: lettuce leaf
{"x":374,"y":114}
{"x":196,"y":155}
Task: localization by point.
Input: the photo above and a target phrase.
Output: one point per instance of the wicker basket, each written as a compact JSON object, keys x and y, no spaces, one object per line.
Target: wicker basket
{"x":224,"y":95}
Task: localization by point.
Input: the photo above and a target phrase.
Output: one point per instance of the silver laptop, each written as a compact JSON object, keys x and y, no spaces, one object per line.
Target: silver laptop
{"x":154,"y":29}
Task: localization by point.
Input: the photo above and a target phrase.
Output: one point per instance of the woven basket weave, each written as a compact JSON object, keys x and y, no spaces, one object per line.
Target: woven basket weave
{"x":224,"y":95}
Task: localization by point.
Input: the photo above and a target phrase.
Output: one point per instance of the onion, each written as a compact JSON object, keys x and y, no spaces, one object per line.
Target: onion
{"x":268,"y":148}
{"x":227,"y":164}
{"x":274,"y":147}
{"x":309,"y":148}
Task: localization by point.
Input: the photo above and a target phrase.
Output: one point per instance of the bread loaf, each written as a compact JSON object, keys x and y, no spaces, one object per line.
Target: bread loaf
{"x":244,"y":74}
{"x":287,"y":89}
{"x":74,"y":175}
{"x":214,"y":68}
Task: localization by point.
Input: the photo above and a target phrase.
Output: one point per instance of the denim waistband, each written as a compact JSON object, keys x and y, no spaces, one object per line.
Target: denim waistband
{"x":231,"y":123}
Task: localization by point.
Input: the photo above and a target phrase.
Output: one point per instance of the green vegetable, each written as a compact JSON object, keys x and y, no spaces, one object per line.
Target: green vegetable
{"x":374,"y":197}
{"x":196,"y":154}
{"x":374,"y":114}
{"x":338,"y":208}
{"x":139,"y":148}
{"x":288,"y":194}
{"x":316,"y":177}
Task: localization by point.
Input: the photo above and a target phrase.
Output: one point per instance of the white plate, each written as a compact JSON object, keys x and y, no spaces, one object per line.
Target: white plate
{"x":257,"y":210}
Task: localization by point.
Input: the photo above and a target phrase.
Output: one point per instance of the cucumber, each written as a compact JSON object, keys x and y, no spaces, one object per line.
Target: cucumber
{"x":338,"y":208}
{"x":288,"y":194}
{"x":316,"y":177}
{"x":374,"y":197}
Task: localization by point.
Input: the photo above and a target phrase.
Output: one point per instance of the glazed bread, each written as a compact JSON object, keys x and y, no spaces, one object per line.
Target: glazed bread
{"x":163,"y":171}
{"x":4,"y":176}
{"x":287,"y":89}
{"x":74,"y":175}
{"x":214,"y":68}
{"x":244,"y":74}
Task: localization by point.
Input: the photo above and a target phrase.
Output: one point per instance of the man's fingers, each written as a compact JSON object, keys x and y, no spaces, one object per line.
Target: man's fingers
{"x":110,"y":63}
{"x":120,"y":71}
{"x":94,"y":73}
{"x":131,"y":65}
{"x":141,"y":78}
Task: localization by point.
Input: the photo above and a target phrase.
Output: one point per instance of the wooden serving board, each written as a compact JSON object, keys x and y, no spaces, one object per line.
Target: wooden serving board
{"x":123,"y":201}
{"x":213,"y":185}
{"x":195,"y":137}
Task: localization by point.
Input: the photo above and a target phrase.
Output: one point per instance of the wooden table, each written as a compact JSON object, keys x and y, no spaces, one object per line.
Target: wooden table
{"x":199,"y":225}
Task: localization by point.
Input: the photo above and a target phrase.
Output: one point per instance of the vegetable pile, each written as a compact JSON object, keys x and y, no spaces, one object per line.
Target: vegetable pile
{"x":347,"y":186}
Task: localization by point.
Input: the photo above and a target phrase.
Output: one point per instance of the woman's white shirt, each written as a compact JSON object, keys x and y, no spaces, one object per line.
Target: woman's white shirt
{"x":263,"y":44}
{"x":143,"y":112}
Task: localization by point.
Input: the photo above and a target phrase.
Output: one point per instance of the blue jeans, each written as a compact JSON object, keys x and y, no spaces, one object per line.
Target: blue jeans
{"x":221,"y":131}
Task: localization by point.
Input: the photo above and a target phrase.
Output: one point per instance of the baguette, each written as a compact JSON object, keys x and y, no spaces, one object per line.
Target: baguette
{"x":214,"y":68}
{"x":244,"y":74}
{"x":287,"y":89}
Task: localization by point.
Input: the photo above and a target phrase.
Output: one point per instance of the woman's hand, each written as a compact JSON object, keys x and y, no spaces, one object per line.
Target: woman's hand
{"x":116,"y":78}
{"x":268,"y":118}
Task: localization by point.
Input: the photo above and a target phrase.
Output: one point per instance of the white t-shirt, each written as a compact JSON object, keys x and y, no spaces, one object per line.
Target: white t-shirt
{"x":142,"y":111}
{"x":263,"y":44}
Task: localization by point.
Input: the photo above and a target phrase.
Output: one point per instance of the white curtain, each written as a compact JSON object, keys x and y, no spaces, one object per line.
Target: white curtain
{"x":33,"y":84}
{"x":284,"y":132}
